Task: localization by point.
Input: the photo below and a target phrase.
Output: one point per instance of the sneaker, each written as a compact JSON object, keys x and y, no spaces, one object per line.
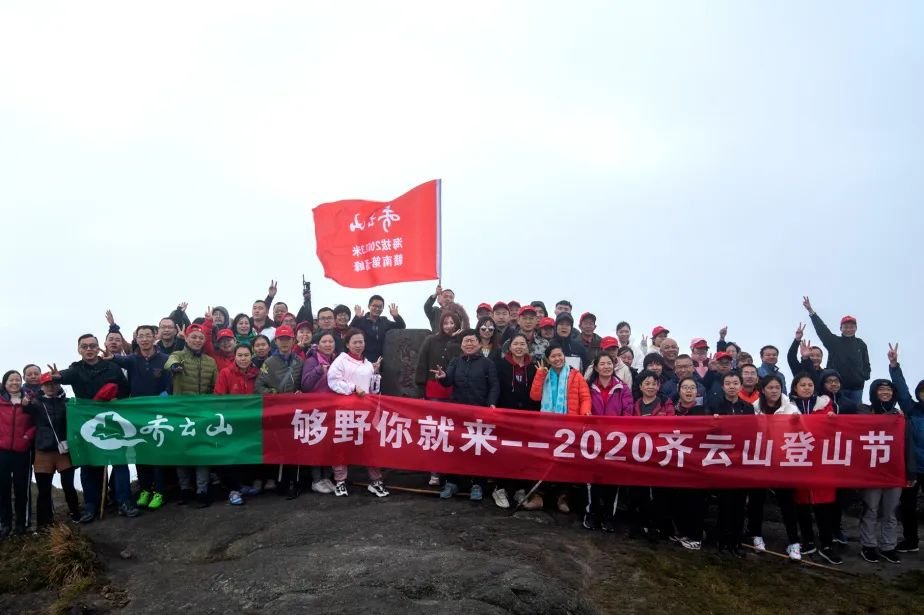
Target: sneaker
{"x":270,"y":485}
{"x":689,"y":543}
{"x":828,"y":554}
{"x":759,"y":545}
{"x":434,"y":480}
{"x":157,"y":500}
{"x":87,"y":517}
{"x":794,"y":551}
{"x":563,"y":504}
{"x":340,"y":489}
{"x":377,"y":488}
{"x":891,"y":556}
{"x":448,"y":491}
{"x":127,"y":509}
{"x":75,"y":517}
{"x":870,"y":554}
{"x":590,"y":522}
{"x":500,"y":498}
{"x":202,"y":500}
{"x":322,"y":486}
{"x":906,"y":546}
{"x":519,"y":495}
{"x":809,"y":548}
{"x":248,"y":492}
{"x":608,"y":526}
{"x":144,"y":498}
{"x":475,"y":494}
{"x":534,"y":502}
{"x":839,"y":538}
{"x":235,"y":499}
{"x":327,"y":484}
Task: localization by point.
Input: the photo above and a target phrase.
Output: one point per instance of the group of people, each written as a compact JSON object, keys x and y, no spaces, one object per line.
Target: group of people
{"x":516,"y":356}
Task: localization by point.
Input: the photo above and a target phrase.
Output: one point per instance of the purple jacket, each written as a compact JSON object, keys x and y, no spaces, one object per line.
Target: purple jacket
{"x":314,"y":376}
{"x":619,"y":402}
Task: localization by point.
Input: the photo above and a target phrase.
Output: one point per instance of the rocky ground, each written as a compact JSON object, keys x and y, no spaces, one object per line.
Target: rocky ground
{"x":412,"y":553}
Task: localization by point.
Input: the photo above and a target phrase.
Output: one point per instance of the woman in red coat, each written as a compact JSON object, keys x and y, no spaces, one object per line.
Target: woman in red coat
{"x":237,"y":379}
{"x":16,"y":434}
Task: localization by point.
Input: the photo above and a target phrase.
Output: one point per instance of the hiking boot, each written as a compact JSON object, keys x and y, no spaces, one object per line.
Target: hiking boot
{"x":202,"y":500}
{"x":144,"y":498}
{"x":891,"y":556}
{"x":500,"y":498}
{"x":157,"y":500}
{"x":870,"y":554}
{"x":759,"y":545}
{"x":475,"y":494}
{"x":340,"y":489}
{"x":21,"y":530}
{"x":186,"y":496}
{"x":907,"y":546}
{"x":809,"y":548}
{"x":737,"y":551}
{"x":794,"y":551}
{"x":127,"y":509}
{"x":377,"y":488}
{"x":828,"y":554}
{"x":839,"y":537}
{"x":75,"y":517}
{"x":590,"y":522}
{"x":449,"y":491}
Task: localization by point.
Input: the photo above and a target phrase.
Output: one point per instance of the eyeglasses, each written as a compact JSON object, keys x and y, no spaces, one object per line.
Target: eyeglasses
{"x":89,"y":346}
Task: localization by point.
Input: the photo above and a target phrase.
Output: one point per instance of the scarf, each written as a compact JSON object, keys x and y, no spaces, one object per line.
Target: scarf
{"x":555,"y":391}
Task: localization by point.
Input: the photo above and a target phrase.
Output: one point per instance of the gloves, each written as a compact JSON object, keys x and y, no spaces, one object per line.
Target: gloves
{"x":176,"y":368}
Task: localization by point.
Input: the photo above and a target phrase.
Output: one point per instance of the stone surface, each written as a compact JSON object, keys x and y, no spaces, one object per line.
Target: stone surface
{"x":399,"y":362}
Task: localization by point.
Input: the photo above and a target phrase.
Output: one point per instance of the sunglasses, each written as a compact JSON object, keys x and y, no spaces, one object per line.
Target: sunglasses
{"x":487,"y":328}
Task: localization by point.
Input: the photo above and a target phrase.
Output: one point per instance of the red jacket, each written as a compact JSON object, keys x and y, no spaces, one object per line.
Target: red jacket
{"x":221,"y":360}
{"x":16,"y":427}
{"x":232,"y":381}
{"x":821,"y":495}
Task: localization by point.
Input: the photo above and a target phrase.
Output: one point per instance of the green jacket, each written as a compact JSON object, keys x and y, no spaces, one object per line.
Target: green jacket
{"x":198,"y":376}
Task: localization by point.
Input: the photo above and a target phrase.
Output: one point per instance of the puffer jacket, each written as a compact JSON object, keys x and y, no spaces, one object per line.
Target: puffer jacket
{"x":473,"y":379}
{"x":877,"y":407}
{"x":199,"y":375}
{"x":16,"y":427}
{"x":280,"y":374}
{"x":578,"y":400}
{"x":49,"y":414}
{"x":615,"y":400}
{"x":914,"y":412}
{"x":233,"y":381}
{"x":314,"y":372}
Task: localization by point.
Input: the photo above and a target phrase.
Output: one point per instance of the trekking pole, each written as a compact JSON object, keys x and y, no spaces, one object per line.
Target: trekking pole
{"x":102,"y":496}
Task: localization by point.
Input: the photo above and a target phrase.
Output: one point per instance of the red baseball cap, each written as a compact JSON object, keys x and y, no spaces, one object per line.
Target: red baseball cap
{"x":848,"y":318}
{"x":303,"y":325}
{"x":698,"y":342}
{"x":721,"y":356}
{"x":193,"y":328}
{"x":501,"y":305}
{"x":608,"y":342}
{"x":527,"y":309}
{"x":546,"y":322}
{"x":107,"y":392}
{"x":484,"y":306}
{"x":46,"y":378}
{"x":587,"y":315}
{"x":225,"y":333}
{"x":284,"y":331}
{"x":286,"y":315}
{"x":658,"y":331}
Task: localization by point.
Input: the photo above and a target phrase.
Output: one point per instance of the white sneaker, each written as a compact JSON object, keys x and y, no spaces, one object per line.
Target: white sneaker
{"x":519,"y":496}
{"x":759,"y":545}
{"x":328,"y":484}
{"x":434,"y":479}
{"x":321,"y":487}
{"x":377,"y":488}
{"x":270,"y":485}
{"x":500,"y":498}
{"x":794,"y":551}
{"x":689,"y":543}
{"x":340,"y":489}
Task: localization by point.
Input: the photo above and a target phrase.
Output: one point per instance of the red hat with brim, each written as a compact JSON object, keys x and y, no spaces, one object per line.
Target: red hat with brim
{"x":608,"y":342}
{"x":194,"y":328}
{"x":484,"y":306}
{"x":546,"y":322}
{"x":285,"y":331}
{"x":303,"y":325}
{"x":698,"y":342}
{"x":658,"y":331}
{"x":848,"y":318}
{"x":527,"y":309}
{"x":587,"y":315}
{"x":500,"y":305}
{"x":46,"y":378}
{"x":225,"y":334}
{"x":722,"y":356}
{"x":107,"y":392}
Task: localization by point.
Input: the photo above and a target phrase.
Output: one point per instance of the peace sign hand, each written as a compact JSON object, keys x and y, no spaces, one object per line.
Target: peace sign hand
{"x":800,"y":330}
{"x":53,"y":370}
{"x":208,"y":312}
{"x":807,"y":304}
{"x":541,"y":366}
{"x":438,"y":373}
{"x":893,"y":355}
{"x":273,"y":288}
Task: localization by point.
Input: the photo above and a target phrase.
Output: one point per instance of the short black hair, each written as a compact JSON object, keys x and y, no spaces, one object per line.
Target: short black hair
{"x":256,"y":301}
{"x":622,"y":324}
{"x":555,"y":345}
{"x":468,"y":332}
{"x":85,"y":336}
{"x":150,"y":328}
{"x":374,"y":297}
{"x":682,"y":356}
{"x":325,"y":309}
{"x":341,"y":309}
{"x":731,"y":374}
{"x":768,"y":347}
{"x":564,"y":302}
{"x":650,"y":358}
{"x":626,"y":350}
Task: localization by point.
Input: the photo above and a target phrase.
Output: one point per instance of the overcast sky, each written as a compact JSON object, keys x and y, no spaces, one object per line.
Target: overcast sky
{"x":678,"y":163}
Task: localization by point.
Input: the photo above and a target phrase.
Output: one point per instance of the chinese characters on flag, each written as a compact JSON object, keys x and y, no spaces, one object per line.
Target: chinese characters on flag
{"x":363,"y":244}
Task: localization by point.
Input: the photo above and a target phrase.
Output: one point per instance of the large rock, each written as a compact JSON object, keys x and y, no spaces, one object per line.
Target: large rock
{"x":399,"y":361}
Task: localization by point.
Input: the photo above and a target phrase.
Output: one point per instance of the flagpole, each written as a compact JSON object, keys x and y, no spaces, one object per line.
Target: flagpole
{"x":439,"y":230}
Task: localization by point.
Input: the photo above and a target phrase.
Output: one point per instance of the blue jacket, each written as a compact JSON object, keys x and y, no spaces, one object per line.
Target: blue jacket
{"x":913,"y":408}
{"x":765,"y":369}
{"x":146,"y":377}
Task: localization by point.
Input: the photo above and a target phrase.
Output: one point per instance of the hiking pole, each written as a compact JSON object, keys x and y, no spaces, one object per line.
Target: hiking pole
{"x":526,"y":497}
{"x":102,"y":495}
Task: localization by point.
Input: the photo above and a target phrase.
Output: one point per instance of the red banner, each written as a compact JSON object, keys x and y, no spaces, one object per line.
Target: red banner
{"x":699,"y":452}
{"x":363,"y":244}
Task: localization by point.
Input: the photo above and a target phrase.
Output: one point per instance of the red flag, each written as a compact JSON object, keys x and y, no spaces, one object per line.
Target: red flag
{"x":362,"y":244}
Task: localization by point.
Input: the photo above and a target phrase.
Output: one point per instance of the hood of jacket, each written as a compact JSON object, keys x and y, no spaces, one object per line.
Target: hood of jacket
{"x":877,"y":406}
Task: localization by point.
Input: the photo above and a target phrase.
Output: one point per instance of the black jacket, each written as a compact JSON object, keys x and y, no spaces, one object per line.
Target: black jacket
{"x":374,"y":332}
{"x":877,"y":407}
{"x":572,"y":347}
{"x":438,"y":349}
{"x":797,"y":365}
{"x":87,"y":380}
{"x":848,"y":355}
{"x":45,"y":429}
{"x":841,"y":404}
{"x":515,"y":384}
{"x":725,"y":407}
{"x":473,"y":379}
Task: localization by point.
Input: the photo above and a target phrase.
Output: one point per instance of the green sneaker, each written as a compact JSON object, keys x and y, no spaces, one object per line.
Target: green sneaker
{"x":157,"y":500}
{"x":144,"y":499}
